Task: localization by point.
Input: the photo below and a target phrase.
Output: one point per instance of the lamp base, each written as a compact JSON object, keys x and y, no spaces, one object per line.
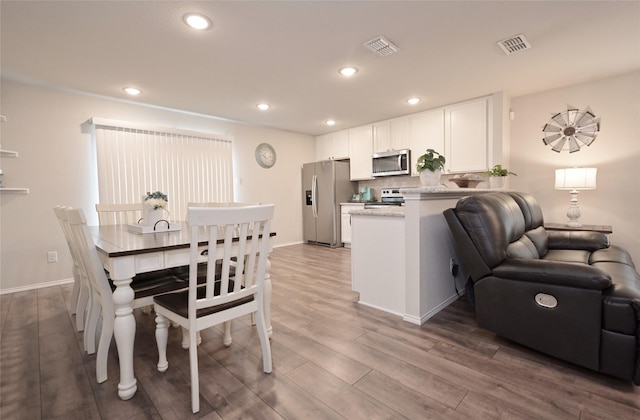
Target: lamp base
{"x":574,"y":211}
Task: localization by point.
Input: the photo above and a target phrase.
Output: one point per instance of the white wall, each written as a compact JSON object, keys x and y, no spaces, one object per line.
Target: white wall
{"x":56,"y":163}
{"x":615,"y":152}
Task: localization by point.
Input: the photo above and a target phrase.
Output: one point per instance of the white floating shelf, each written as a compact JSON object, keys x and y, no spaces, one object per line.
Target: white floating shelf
{"x":15,"y":190}
{"x":8,"y":153}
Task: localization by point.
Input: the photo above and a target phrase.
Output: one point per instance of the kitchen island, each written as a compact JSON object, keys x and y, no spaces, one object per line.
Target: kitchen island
{"x":400,"y":256}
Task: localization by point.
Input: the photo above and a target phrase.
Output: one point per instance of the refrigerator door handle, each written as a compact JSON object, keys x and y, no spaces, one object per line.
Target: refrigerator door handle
{"x":314,"y":187}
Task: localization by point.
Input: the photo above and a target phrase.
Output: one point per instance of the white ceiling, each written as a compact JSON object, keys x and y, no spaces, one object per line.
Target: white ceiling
{"x":288,"y":53}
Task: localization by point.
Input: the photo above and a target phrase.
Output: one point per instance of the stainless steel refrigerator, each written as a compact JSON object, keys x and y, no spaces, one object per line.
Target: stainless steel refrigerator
{"x":325,"y":185}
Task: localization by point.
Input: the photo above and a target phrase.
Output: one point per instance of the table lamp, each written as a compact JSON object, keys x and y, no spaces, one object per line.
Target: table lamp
{"x":575,"y":179}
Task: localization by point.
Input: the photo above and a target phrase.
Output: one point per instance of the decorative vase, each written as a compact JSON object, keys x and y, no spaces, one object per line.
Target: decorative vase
{"x":152,"y":217}
{"x":430,"y":179}
{"x":496,"y":182}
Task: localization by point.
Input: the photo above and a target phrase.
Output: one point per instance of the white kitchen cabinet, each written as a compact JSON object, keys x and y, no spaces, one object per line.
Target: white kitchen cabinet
{"x":391,"y":135}
{"x":468,"y":130}
{"x":426,"y":131}
{"x":333,"y":145}
{"x":360,"y":151}
{"x":345,"y":226}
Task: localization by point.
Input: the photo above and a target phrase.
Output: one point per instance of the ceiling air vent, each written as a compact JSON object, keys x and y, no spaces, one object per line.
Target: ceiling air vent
{"x":381,"y":46}
{"x":514,"y":44}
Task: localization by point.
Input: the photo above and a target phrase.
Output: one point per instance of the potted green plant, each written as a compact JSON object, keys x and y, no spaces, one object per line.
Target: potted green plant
{"x":430,"y":166}
{"x":154,"y":205}
{"x":497,"y":174}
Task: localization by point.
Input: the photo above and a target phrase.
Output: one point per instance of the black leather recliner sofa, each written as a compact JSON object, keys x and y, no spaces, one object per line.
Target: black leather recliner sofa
{"x":568,"y":294}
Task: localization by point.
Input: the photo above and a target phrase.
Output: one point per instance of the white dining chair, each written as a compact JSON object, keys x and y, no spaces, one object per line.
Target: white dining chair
{"x":215,"y":204}
{"x":118,"y":214}
{"x":145,"y":287}
{"x":80,"y":293}
{"x":245,"y":233}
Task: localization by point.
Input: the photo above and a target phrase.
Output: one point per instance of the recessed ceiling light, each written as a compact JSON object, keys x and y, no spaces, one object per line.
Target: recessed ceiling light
{"x":413,"y":101}
{"x":348,"y":71}
{"x":132,"y":91}
{"x":330,"y":122}
{"x":263,"y":107}
{"x":197,"y":21}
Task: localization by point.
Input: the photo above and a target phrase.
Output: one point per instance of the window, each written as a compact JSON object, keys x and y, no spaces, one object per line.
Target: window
{"x":187,"y":166}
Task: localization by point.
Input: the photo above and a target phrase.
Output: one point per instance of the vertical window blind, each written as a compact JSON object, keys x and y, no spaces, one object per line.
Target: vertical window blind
{"x":187,"y":166}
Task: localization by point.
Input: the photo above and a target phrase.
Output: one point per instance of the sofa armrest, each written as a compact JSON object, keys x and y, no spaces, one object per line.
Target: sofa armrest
{"x":580,"y":240}
{"x":554,"y":272}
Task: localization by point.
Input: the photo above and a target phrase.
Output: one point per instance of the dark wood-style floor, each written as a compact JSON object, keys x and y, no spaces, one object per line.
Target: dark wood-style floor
{"x":333,"y":358}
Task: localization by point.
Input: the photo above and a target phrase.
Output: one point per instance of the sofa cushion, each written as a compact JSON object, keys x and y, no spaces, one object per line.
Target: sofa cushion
{"x":568,"y":255}
{"x":612,"y":254}
{"x":531,"y":210}
{"x":492,"y":221}
{"x":540,"y":239}
{"x":522,"y":248}
{"x":625,"y":280}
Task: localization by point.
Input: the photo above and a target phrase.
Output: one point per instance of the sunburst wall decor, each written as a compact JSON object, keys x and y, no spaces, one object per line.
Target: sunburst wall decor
{"x":570,"y":129}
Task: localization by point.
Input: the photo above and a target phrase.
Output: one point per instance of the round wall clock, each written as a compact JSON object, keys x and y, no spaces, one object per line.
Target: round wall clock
{"x":568,"y":130}
{"x":265,"y":155}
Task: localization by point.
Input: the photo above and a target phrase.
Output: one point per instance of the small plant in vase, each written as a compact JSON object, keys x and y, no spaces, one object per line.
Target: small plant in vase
{"x":154,"y":205}
{"x":430,"y":166}
{"x":156,"y":200}
{"x":497,"y":174}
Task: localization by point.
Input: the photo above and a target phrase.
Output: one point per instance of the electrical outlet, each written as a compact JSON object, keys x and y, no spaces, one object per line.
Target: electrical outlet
{"x":52,"y":256}
{"x":453,"y":267}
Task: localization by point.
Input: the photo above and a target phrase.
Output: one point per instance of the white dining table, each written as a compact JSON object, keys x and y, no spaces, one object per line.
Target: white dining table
{"x":125,"y":254}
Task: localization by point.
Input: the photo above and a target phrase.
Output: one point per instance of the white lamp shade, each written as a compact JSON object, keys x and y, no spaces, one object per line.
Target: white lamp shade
{"x":576,"y":178}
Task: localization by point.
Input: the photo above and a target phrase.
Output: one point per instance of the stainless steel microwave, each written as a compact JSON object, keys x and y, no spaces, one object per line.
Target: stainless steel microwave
{"x":395,"y":162}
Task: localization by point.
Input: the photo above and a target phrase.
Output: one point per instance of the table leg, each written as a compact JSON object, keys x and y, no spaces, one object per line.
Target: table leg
{"x":124,"y":331}
{"x":267,"y":298}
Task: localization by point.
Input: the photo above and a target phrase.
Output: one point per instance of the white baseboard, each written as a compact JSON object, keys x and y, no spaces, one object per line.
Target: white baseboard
{"x":35,"y":286}
{"x":432,"y":312}
{"x":288,"y":244}
{"x":379,"y":308}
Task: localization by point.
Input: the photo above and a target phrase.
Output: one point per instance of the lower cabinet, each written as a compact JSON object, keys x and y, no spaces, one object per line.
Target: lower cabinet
{"x":345,"y":226}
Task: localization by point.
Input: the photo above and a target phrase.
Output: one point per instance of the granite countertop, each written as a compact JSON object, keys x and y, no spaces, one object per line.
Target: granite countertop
{"x":440,"y":192}
{"x":442,"y":189}
{"x":393,"y":211}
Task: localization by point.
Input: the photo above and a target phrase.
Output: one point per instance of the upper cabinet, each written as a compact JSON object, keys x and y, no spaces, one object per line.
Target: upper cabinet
{"x":468,"y":133}
{"x":391,"y":135}
{"x":333,"y":145}
{"x":360,"y":151}
{"x":426,"y":131}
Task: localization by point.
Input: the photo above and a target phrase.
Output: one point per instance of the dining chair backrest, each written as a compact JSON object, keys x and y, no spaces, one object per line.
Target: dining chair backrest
{"x":81,"y":289}
{"x":119,"y":214}
{"x":90,"y":259}
{"x":214,"y":204}
{"x":245,"y":232}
